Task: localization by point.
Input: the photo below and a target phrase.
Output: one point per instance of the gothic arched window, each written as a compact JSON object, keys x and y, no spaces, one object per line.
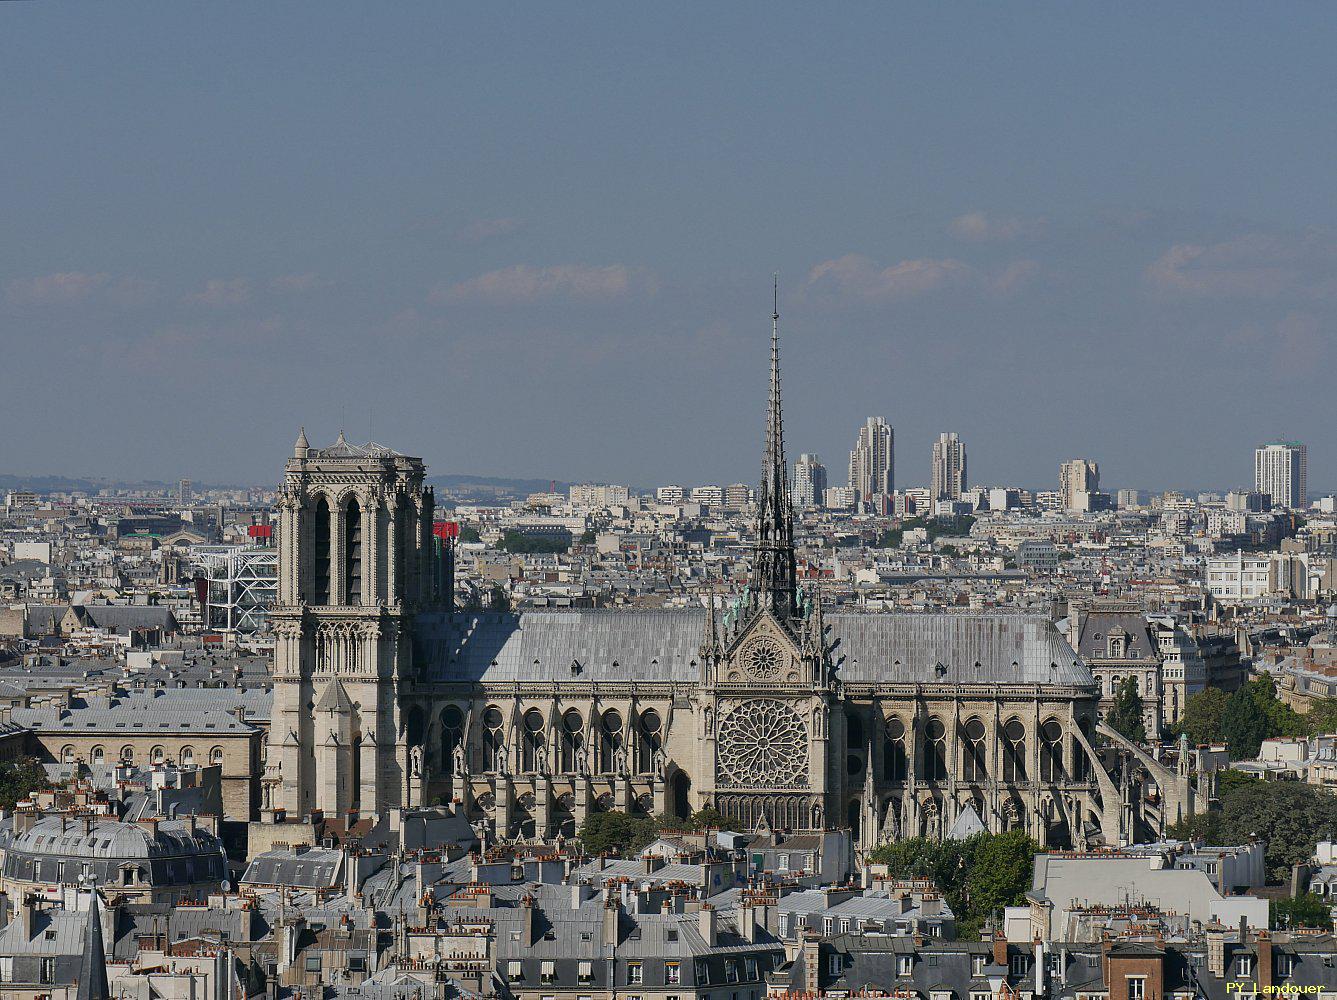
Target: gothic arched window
{"x":493,"y":736}
{"x":573,"y":739}
{"x":533,"y":741}
{"x":935,"y":751}
{"x":320,"y":543}
{"x":403,"y":538}
{"x":649,"y":739}
{"x":1014,"y":750}
{"x":1051,"y":751}
{"x":973,"y":753}
{"x":452,"y":734}
{"x":1080,"y":764}
{"x":894,"y":759}
{"x":610,"y":739}
{"x":353,"y":552}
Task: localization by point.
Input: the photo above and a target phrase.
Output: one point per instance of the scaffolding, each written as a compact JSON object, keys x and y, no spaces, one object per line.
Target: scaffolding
{"x":243,"y":582}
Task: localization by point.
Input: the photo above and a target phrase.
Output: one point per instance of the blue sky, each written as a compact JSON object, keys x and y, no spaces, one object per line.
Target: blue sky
{"x":537,"y":239}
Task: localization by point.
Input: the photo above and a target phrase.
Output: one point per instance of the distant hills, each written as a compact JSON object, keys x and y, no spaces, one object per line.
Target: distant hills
{"x":487,"y":489}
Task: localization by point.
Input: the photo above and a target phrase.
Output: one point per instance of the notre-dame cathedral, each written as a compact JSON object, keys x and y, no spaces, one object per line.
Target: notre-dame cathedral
{"x":762,"y":704}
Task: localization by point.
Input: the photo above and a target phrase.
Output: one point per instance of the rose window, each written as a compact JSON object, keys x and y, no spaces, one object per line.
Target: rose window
{"x":764,"y":743}
{"x":764,"y":659}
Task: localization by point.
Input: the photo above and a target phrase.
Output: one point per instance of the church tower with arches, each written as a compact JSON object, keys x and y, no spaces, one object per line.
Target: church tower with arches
{"x":361,"y":592}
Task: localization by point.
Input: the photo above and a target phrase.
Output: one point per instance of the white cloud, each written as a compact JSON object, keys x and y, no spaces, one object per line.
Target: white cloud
{"x":222,"y":292}
{"x":980,"y":227}
{"x":857,"y":276}
{"x":527,"y":283}
{"x":1256,"y":266}
{"x":486,"y":229}
{"x":297,"y":283}
{"x":63,"y":286}
{"x":78,"y":286}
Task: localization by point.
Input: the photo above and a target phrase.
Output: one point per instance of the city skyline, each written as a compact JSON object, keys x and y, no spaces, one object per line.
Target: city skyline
{"x":439,"y":237}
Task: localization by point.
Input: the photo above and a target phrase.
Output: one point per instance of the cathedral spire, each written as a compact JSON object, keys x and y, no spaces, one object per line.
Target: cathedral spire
{"x":773,"y":580}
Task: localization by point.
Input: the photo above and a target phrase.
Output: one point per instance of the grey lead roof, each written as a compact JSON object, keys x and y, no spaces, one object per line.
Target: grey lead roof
{"x":663,"y":645}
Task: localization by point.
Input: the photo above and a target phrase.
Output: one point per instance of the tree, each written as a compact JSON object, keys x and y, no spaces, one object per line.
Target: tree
{"x":1282,"y":720}
{"x":709,"y":818}
{"x":1204,"y":826}
{"x":1126,"y":715}
{"x":19,"y":779}
{"x":976,"y":875}
{"x":1229,"y":780}
{"x":616,"y":832}
{"x":468,"y":533}
{"x":1000,"y":872}
{"x":1289,"y":817}
{"x":1308,"y":910}
{"x":1322,"y":716}
{"x":1245,"y":724}
{"x":1204,"y":713}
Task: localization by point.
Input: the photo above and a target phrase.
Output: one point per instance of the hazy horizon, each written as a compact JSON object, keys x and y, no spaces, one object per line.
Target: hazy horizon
{"x":523,"y":239}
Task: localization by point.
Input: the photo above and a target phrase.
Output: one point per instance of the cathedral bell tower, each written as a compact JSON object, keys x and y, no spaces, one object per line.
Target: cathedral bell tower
{"x":357,"y":571}
{"x":767,"y":683}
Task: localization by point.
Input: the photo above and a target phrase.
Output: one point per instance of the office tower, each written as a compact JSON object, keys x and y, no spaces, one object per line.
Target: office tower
{"x":673,"y":494}
{"x":839,"y":498}
{"x":1279,"y":470}
{"x":949,"y":467}
{"x":1077,"y":479}
{"x":872,"y":462}
{"x":1248,"y":503}
{"x":738,"y":495}
{"x":1128,"y":499}
{"x":598,"y":495}
{"x":708,"y":496}
{"x":185,"y":491}
{"x":809,"y":482}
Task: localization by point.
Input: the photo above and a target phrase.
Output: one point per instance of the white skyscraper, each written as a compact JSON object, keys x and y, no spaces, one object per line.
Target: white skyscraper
{"x":1280,"y":471}
{"x":949,"y":467}
{"x":1077,"y":480}
{"x":872,"y":462}
{"x":809,"y":482}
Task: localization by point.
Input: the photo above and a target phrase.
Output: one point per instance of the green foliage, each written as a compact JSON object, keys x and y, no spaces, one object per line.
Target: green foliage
{"x":1228,"y":781}
{"x":1203,"y":716}
{"x":1282,"y":720}
{"x":1308,"y":910}
{"x":976,"y":876}
{"x":498,"y":599}
{"x":936,"y":527}
{"x":19,"y":779}
{"x":1245,"y":725}
{"x":1322,"y":716}
{"x":1288,"y":816}
{"x":1125,"y":716}
{"x":522,"y":544}
{"x":709,"y":818}
{"x":587,"y":537}
{"x":468,"y":533}
{"x":617,"y":832}
{"x":1252,"y":714}
{"x":1200,"y":826}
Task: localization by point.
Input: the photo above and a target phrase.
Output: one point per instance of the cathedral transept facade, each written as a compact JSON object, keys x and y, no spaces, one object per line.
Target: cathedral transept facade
{"x":763,"y":704}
